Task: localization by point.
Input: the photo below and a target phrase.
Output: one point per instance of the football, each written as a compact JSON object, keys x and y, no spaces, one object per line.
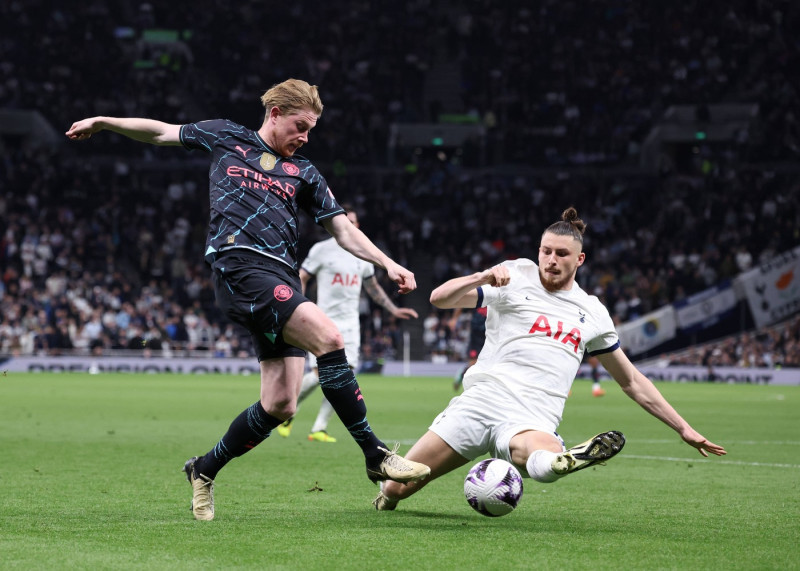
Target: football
{"x":493,"y":487}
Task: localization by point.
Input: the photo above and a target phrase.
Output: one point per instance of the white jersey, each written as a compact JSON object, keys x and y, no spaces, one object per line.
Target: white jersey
{"x":536,"y":339}
{"x":339,"y":276}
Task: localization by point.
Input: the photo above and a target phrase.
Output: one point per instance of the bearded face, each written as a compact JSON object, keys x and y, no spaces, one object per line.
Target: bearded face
{"x":559,"y":259}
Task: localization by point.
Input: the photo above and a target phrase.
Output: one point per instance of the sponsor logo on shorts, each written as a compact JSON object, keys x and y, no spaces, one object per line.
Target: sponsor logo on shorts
{"x":283,"y":292}
{"x":290,"y":169}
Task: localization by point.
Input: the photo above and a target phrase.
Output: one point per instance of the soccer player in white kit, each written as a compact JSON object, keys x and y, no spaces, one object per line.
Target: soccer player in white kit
{"x":539,"y":325}
{"x":339,"y":275}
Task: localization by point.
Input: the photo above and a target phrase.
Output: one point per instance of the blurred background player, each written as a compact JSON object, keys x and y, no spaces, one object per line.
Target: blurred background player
{"x":539,"y":325}
{"x":477,"y":336}
{"x":339,"y":276}
{"x":594,"y":363}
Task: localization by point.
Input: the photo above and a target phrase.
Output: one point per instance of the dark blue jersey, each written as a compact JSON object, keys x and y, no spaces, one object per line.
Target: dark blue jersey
{"x":255,"y":193}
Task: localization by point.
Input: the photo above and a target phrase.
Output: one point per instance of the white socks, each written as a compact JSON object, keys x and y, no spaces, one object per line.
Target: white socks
{"x":539,"y":466}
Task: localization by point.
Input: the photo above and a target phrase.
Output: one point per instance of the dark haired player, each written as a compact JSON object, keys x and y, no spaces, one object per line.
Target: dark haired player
{"x":538,"y":326}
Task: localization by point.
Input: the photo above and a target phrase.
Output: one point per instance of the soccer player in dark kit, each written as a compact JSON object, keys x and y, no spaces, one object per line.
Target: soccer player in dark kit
{"x":258,"y":186}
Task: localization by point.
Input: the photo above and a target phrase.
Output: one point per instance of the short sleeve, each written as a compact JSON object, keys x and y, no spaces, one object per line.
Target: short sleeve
{"x":608,"y":339}
{"x":201,"y":136}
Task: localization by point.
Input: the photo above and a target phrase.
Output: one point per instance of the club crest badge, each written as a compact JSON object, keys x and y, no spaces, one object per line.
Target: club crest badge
{"x":290,"y":169}
{"x":283,"y":292}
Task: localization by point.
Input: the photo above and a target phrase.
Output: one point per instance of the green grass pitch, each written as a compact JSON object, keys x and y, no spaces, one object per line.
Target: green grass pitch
{"x":90,"y":478}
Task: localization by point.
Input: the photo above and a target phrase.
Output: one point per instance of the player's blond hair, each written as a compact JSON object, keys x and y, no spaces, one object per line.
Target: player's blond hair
{"x":569,"y":225}
{"x":291,"y":96}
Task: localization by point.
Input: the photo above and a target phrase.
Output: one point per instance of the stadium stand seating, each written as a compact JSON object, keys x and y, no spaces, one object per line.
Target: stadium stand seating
{"x":102,"y":241}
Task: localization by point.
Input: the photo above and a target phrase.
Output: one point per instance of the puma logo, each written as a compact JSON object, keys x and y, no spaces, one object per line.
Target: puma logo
{"x":241,"y":150}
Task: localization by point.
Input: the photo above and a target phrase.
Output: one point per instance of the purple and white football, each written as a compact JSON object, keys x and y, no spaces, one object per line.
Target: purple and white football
{"x":493,"y":487}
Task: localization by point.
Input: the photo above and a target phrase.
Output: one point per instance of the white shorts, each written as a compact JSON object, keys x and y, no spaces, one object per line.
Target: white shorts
{"x":352,"y":348}
{"x":485,"y":417}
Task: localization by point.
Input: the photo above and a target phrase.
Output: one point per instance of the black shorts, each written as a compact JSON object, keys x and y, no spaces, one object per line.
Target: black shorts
{"x":260,"y":294}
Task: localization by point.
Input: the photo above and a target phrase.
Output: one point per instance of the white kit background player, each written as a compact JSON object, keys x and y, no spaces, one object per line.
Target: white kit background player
{"x":339,"y":276}
{"x":539,"y":325}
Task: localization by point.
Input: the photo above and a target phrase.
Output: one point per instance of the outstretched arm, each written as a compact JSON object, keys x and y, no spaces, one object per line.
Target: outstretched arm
{"x":144,"y":130}
{"x":356,"y":242}
{"x":375,"y":291}
{"x":460,"y":292}
{"x":644,"y":392}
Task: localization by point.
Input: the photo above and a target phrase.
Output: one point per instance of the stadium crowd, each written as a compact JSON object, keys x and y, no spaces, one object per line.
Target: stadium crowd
{"x":102,"y":242}
{"x":777,"y":346}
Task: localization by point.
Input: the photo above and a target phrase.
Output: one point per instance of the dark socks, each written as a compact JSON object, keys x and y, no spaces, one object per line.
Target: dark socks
{"x":246,"y":432}
{"x":340,"y":387}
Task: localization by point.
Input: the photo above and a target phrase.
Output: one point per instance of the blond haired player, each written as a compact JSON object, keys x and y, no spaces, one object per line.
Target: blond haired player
{"x":258,"y":186}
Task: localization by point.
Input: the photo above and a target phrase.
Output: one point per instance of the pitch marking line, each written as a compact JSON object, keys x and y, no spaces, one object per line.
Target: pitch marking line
{"x":707,"y":460}
{"x":728,"y":442}
{"x":407,"y":442}
{"x":715,"y":460}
